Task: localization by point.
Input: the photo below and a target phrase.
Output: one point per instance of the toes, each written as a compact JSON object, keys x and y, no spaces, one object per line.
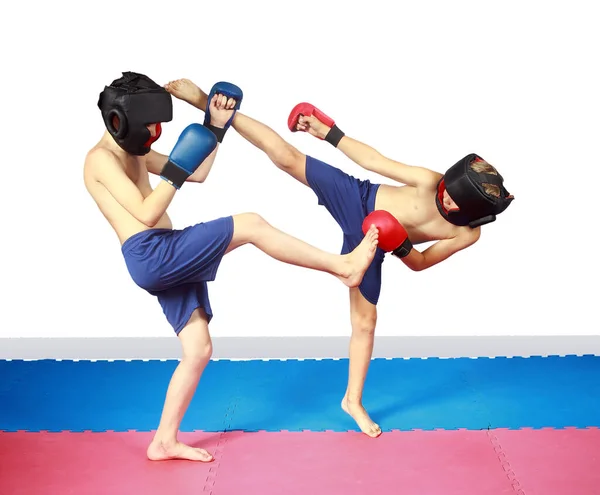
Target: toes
{"x":375,"y":431}
{"x":204,"y":455}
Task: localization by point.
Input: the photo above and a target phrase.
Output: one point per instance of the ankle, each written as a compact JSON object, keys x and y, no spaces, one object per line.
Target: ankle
{"x":164,"y":440}
{"x":353,"y":400}
{"x":345,"y":265}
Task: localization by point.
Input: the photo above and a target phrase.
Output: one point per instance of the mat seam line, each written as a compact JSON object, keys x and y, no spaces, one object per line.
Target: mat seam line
{"x":495,"y":443}
{"x":211,"y":478}
{"x":504,"y":462}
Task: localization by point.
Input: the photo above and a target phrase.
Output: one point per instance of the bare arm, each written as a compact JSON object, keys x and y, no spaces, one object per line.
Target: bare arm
{"x":440,"y":251}
{"x":370,"y":159}
{"x":109,"y":172}
{"x":221,"y":110}
{"x":155,"y":162}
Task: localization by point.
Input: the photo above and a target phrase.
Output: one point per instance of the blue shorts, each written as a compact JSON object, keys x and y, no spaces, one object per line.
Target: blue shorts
{"x":349,"y":200}
{"x":175,"y":265}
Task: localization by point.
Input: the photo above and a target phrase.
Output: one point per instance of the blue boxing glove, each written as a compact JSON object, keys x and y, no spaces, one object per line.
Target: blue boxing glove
{"x":194,"y":146}
{"x":230,"y":91}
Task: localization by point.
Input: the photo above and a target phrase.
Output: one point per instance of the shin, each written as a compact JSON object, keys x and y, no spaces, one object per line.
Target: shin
{"x":197,"y":351}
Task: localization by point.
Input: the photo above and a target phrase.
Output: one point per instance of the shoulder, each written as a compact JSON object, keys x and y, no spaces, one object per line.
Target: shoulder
{"x":428,"y":180}
{"x":99,"y":161}
{"x":99,"y":155}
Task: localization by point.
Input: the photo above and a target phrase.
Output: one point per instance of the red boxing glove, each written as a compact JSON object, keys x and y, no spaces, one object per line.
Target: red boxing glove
{"x":306,"y":109}
{"x":392,"y":235}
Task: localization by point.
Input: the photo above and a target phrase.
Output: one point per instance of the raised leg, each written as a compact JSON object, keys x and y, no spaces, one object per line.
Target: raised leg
{"x":251,"y":228}
{"x":283,"y":154}
{"x":280,"y":152}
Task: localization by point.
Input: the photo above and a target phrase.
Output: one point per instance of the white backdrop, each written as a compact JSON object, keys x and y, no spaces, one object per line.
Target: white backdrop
{"x":422,"y":82}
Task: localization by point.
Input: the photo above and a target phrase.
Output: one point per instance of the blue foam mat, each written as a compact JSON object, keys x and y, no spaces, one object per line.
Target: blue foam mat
{"x":400,"y":394}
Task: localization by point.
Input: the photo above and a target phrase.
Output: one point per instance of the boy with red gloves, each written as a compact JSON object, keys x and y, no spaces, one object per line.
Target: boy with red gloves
{"x":448,"y":208}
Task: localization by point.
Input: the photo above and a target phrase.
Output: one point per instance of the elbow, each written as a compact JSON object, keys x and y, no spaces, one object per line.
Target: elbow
{"x":417,"y":268}
{"x":150,"y":223}
{"x":415,"y":261}
{"x":149,"y":219}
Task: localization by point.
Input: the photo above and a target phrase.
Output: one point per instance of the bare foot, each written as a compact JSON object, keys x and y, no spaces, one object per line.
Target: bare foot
{"x":158,"y":451}
{"x":360,"y":415}
{"x":359,"y":260}
{"x":186,"y":90}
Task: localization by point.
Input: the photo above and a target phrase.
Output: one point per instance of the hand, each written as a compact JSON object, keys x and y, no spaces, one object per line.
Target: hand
{"x":221,"y":110}
{"x":194,"y":145}
{"x":393,"y":237}
{"x":306,"y":117}
{"x":313,"y":126}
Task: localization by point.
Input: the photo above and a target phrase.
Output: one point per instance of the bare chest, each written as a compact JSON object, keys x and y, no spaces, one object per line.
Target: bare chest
{"x":416,"y":211}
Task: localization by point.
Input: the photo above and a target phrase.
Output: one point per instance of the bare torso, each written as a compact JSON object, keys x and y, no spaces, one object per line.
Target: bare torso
{"x":416,"y":210}
{"x":124,"y":224}
{"x":413,"y":207}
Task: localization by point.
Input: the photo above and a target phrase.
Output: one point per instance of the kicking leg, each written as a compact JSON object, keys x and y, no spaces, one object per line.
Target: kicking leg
{"x":281,"y":153}
{"x":363,"y":316}
{"x":197,"y":350}
{"x":250,"y":228}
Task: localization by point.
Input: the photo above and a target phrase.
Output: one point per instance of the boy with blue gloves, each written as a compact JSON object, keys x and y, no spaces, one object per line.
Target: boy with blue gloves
{"x":176,"y":265}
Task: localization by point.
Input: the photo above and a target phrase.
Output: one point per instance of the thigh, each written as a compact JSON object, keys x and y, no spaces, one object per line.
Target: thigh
{"x":294,"y":163}
{"x":182,"y":304}
{"x":340,"y":193}
{"x":194,"y":254}
{"x":370,"y":287}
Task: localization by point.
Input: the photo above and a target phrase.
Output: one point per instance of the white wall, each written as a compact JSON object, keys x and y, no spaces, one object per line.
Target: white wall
{"x":423,"y":82}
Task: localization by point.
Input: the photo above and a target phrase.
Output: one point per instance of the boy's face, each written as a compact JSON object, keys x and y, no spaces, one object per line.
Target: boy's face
{"x":155,"y":131}
{"x":448,"y":202}
{"x":152,"y":129}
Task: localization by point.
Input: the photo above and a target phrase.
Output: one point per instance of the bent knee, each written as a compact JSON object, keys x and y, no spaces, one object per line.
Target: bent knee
{"x":249,"y":221}
{"x":247,"y":225}
{"x":198,"y":356}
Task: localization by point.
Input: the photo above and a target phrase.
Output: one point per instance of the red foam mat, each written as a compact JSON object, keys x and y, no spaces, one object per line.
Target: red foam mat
{"x":432,"y":462}
{"x":551,"y":462}
{"x":424,"y":463}
{"x":96,"y":463}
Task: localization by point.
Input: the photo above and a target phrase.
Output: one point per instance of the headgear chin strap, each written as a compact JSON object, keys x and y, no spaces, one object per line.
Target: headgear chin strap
{"x":137,"y":101}
{"x":466,"y":187}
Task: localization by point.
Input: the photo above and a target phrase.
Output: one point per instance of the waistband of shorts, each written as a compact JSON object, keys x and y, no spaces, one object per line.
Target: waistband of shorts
{"x":372,"y":197}
{"x":135,"y":239}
